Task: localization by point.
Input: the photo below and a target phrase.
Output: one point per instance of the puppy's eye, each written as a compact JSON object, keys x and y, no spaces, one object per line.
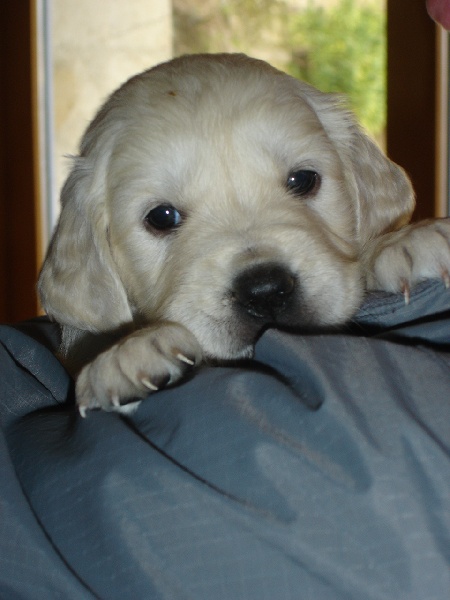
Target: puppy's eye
{"x":163,"y":217}
{"x":303,"y":182}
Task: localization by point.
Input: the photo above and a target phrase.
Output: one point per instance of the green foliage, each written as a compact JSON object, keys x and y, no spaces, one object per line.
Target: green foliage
{"x":224,"y":25}
{"x":337,"y":46}
{"x":342,"y":48}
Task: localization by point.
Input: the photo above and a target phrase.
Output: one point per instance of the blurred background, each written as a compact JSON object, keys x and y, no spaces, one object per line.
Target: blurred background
{"x":60,"y":59}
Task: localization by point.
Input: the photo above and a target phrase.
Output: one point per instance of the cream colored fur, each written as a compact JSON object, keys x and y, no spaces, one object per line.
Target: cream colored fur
{"x":216,"y":137}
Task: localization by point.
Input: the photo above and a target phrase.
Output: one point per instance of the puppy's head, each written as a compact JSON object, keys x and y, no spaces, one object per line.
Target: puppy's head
{"x":220,"y":193}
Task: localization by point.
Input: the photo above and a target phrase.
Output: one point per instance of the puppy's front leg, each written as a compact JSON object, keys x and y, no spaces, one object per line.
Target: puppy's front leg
{"x":397,"y":261}
{"x":142,"y":362}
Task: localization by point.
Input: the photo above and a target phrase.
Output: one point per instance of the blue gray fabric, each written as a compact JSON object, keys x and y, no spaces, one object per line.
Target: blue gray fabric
{"x":320,"y":470}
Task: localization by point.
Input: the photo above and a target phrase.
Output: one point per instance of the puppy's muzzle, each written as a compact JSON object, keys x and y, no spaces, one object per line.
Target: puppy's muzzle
{"x":264,"y":291}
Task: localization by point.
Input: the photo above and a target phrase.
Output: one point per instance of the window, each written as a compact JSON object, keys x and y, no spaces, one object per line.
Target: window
{"x":92,"y":47}
{"x":417,"y":74}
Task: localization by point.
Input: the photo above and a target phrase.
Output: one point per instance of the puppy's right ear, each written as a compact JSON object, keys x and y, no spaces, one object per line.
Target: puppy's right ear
{"x":79,"y":284}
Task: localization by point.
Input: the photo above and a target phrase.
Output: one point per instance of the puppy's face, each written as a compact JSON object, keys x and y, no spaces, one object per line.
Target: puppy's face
{"x":227,"y":198}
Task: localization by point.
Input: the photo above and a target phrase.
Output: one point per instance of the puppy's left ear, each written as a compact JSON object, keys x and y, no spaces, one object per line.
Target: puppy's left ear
{"x":385,"y":194}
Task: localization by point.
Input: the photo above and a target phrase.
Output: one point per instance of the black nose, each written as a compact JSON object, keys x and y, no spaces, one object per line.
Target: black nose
{"x":263,"y":291}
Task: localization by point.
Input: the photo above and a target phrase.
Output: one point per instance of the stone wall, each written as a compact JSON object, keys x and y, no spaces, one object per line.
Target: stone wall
{"x":96,"y":45}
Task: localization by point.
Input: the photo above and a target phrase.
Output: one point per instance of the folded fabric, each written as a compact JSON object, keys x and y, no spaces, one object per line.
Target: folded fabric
{"x":321,"y":469}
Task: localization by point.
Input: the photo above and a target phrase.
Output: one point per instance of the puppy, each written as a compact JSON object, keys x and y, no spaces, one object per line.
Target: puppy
{"x":214,"y":196}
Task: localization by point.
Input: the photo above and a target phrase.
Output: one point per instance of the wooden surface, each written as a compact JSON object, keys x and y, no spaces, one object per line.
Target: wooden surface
{"x":411,"y":97}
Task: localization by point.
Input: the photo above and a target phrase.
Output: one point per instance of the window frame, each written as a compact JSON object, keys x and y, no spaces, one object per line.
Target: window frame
{"x":20,"y":200}
{"x":416,"y":91}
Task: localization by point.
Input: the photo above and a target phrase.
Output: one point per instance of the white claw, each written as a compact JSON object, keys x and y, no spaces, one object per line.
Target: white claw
{"x":149,"y":385}
{"x":406,"y":291}
{"x":83,"y":411}
{"x":185,"y":359}
{"x":115,"y":401}
{"x":446,"y":278}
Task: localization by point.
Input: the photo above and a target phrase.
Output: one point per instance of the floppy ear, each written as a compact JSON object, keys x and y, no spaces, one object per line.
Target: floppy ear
{"x":385,"y":197}
{"x":385,"y":194}
{"x":79,"y":285}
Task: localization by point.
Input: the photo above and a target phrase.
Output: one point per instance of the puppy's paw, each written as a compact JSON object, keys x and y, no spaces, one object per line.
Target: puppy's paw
{"x":400,"y":260}
{"x":143,"y":362}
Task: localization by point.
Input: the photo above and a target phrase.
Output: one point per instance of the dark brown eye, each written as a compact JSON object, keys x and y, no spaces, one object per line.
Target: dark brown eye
{"x":302,"y":182}
{"x":163,"y":217}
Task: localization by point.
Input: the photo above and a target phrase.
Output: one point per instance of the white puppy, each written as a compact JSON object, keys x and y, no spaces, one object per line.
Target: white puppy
{"x":214,"y":196}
